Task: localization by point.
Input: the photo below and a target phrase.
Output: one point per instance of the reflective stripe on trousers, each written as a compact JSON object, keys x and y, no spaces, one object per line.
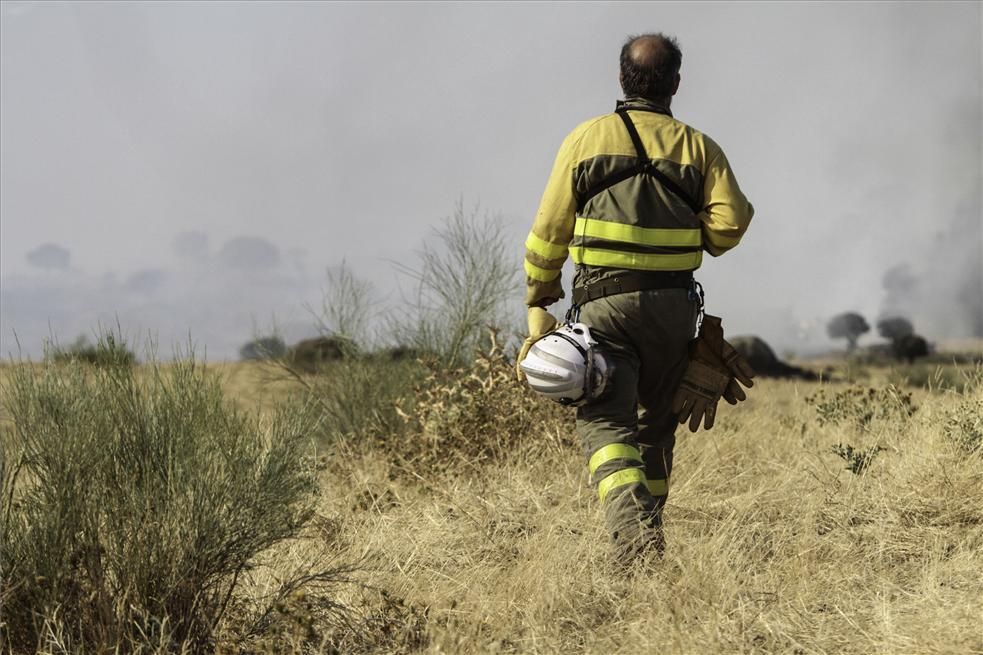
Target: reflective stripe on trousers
{"x":645,"y":335}
{"x":630,"y":455}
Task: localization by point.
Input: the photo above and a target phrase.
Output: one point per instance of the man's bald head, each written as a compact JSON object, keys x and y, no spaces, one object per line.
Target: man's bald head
{"x":650,"y":66}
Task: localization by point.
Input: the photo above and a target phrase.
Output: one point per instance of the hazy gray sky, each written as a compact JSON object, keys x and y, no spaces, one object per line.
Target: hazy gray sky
{"x":195,"y":167}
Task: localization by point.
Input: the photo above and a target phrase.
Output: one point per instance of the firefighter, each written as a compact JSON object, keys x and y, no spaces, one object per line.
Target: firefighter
{"x":636,"y":197}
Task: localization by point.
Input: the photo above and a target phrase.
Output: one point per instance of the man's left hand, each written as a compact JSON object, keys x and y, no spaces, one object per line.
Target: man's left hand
{"x":541,"y":323}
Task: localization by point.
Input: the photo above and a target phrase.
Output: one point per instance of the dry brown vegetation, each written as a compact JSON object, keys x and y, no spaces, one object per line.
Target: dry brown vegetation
{"x":814,"y":518}
{"x":774,"y":543}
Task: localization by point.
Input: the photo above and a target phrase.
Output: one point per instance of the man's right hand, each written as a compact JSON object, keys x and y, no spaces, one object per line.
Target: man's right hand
{"x":699,"y":392}
{"x":714,"y":371}
{"x":541,"y":323}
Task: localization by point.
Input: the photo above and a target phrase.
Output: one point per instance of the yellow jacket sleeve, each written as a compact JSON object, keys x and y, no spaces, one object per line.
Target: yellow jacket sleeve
{"x":548,"y":241}
{"x":726,"y":213}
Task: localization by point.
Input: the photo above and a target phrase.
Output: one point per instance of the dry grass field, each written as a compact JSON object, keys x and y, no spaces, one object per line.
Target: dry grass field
{"x":775,"y":545}
{"x":814,"y":518}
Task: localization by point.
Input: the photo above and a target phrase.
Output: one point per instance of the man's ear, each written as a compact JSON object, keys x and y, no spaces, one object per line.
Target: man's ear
{"x":675,"y":84}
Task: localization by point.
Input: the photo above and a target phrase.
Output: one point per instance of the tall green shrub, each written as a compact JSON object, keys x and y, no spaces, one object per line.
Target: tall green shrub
{"x":465,"y":279}
{"x":134,"y":500}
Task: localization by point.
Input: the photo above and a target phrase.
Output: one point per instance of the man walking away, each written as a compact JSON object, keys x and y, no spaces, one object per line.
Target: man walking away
{"x":635,"y":197}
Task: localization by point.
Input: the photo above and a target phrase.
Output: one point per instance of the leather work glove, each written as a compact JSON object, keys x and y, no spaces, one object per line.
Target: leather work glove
{"x":714,"y":370}
{"x":740,"y":371}
{"x":698,"y":394}
{"x":541,"y":323}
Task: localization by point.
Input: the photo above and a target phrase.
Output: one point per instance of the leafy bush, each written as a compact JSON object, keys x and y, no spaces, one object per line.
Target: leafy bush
{"x":894,"y":327}
{"x":311,"y":355}
{"x":857,"y":460}
{"x":135,"y":502}
{"x":910,"y":347}
{"x":465,"y":416}
{"x":263,"y":348}
{"x":964,"y":425}
{"x":860,"y":407}
{"x":110,"y":350}
{"x":357,"y":395}
{"x":361,"y":396}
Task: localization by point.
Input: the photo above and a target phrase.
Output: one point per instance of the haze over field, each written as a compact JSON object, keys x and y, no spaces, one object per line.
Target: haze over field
{"x":195,"y":168}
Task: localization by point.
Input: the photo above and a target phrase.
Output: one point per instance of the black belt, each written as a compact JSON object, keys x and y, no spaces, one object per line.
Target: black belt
{"x":633,"y":282}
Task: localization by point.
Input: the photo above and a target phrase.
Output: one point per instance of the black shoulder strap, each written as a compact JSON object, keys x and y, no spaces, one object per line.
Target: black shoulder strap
{"x":643,"y":158}
{"x":643,"y":166}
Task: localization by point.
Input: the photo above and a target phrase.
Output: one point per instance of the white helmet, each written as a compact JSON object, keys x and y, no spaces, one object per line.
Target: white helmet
{"x":565,"y":366}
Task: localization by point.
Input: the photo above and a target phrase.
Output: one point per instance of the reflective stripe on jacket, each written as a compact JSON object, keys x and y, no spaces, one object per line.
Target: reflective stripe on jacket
{"x":636,"y":224}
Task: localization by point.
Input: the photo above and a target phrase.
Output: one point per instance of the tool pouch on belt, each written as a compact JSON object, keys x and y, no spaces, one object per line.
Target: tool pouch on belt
{"x":714,"y":370}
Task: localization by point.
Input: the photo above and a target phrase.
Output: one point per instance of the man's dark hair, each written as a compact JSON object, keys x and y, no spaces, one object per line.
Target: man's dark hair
{"x":649,"y":65}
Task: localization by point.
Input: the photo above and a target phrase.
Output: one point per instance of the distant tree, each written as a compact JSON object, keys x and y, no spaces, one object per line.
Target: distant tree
{"x":249,"y":254}
{"x":849,"y":326}
{"x":310,"y":355}
{"x":270,"y":347}
{"x":909,"y":347}
{"x":50,"y":257}
{"x":894,"y":328}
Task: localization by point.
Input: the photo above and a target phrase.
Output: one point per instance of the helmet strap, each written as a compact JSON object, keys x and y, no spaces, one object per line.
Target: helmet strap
{"x":573,"y":315}
{"x":589,"y":382}
{"x":588,"y":356}
{"x":696,"y":294}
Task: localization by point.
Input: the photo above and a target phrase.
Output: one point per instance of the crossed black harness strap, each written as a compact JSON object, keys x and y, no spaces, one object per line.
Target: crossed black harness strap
{"x":649,"y":280}
{"x":644,"y":166}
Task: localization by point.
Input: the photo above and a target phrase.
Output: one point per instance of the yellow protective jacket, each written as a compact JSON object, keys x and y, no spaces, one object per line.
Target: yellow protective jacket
{"x":614,"y":212}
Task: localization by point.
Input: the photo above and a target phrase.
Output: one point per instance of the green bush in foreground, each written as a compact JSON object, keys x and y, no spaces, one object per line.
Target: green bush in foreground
{"x":134,"y":500}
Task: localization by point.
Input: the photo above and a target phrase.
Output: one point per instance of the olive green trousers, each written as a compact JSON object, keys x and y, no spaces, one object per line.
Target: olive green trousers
{"x":628,"y":433}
